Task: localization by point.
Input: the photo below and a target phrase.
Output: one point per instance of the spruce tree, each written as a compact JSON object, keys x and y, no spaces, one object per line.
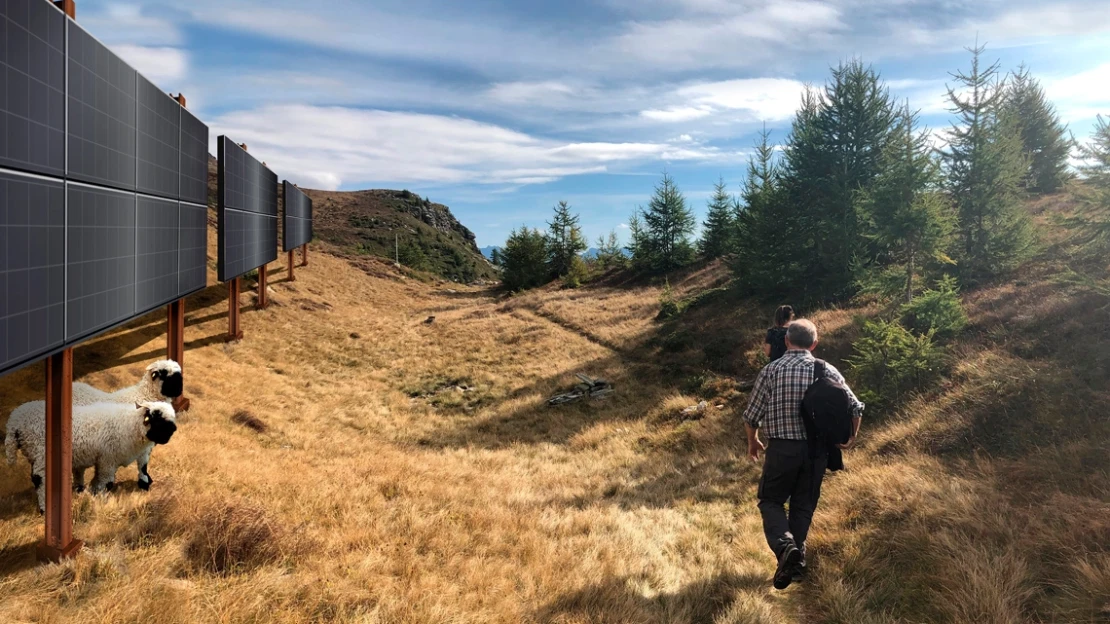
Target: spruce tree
{"x":639,"y":246}
{"x":564,"y":239}
{"x":833,"y":154}
{"x":762,"y":261}
{"x":668,"y":224}
{"x":1044,"y":138}
{"x":1091,"y":220}
{"x":524,"y":260}
{"x":911,"y":220}
{"x":609,"y":252}
{"x":718,"y":228}
{"x":984,"y":166}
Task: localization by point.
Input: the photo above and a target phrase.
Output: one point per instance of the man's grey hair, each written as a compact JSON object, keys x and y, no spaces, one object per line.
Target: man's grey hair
{"x":802,"y":334}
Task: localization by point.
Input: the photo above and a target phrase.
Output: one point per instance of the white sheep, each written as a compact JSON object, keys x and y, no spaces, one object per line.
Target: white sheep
{"x":106,"y":436}
{"x":162,"y":381}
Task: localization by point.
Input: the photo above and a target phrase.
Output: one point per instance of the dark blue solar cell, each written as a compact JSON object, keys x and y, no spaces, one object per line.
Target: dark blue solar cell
{"x":100,"y":284}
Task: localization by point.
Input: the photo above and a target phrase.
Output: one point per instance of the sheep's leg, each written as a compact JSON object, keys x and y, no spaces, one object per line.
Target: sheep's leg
{"x":38,"y":479}
{"x":104,"y":480}
{"x":144,"y":475}
{"x":78,"y":480}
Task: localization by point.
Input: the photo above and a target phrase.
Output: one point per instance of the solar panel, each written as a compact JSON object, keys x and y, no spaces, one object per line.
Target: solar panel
{"x":246,"y":212}
{"x":100,"y":282}
{"x":101,"y":113}
{"x":158,"y":149}
{"x":297,"y":225}
{"x":32,"y":268}
{"x":245,"y":183}
{"x":193,"y":258}
{"x":157,"y":252}
{"x":194,"y":159}
{"x":32,"y":87}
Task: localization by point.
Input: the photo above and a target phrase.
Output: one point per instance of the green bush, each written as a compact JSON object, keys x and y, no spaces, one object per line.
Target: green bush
{"x":524,"y":260}
{"x":890,"y":362}
{"x":669,"y":307}
{"x":577,"y":274}
{"x":938,"y":310}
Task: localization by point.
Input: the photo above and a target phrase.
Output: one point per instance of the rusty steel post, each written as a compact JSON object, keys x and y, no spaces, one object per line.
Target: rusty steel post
{"x":263,"y":303}
{"x":304,"y":255}
{"x":175,"y":344}
{"x":233,"y":331}
{"x":69,"y":7}
{"x":58,"y":542}
{"x":292,"y":277}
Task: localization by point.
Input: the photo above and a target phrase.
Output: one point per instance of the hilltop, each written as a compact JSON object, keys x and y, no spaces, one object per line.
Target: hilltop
{"x":357,"y":224}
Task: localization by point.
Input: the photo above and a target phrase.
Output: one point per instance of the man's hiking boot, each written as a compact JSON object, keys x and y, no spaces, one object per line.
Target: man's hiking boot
{"x":788,"y":563}
{"x":800,"y":569}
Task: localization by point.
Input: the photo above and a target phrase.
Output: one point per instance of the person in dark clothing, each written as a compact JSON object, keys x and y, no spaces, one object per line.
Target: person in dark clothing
{"x":775,"y":344}
{"x":791,"y":473}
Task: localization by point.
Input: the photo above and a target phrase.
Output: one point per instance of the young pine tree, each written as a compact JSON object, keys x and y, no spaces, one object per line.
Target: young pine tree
{"x":524,"y":260}
{"x":835,"y":152}
{"x":1091,"y":221}
{"x":763,"y":251}
{"x":984,"y":166}
{"x":609,"y":252}
{"x":564,"y":239}
{"x":1044,"y":139}
{"x":718,"y":228}
{"x":639,"y":245}
{"x":911,"y":220}
{"x":668,"y":225}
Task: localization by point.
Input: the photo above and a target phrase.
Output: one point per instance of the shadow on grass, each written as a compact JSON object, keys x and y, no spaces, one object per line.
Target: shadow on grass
{"x":16,"y":559}
{"x":618,"y":600}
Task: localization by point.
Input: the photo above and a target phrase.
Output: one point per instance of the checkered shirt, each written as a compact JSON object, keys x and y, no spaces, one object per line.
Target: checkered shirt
{"x":777,"y":396}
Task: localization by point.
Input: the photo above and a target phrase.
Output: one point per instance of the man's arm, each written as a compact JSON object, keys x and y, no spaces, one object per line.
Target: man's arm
{"x":857,"y":406}
{"x":753,"y":415}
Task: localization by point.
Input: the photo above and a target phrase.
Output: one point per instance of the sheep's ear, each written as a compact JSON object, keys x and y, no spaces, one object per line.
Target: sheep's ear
{"x":137,"y":406}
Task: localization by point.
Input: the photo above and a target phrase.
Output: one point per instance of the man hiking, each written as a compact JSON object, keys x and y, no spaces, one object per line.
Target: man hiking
{"x":795,"y":462}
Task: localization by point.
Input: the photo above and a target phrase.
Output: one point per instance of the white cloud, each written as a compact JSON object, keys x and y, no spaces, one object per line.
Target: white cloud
{"x":624,"y":226}
{"x":329,"y":147}
{"x":161,"y":66}
{"x":677,"y":114}
{"x":118,"y":23}
{"x":1081,"y":96}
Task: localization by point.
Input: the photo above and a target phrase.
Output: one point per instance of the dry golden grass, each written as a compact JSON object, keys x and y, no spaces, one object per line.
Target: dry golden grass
{"x":348,"y":463}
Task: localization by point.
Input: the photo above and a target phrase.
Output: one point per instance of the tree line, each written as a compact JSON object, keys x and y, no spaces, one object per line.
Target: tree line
{"x":859,"y":199}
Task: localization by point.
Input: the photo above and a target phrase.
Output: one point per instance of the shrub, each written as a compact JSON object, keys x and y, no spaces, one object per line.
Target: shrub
{"x":524,"y":259}
{"x":938,"y":310}
{"x":669,"y":307}
{"x":889,"y":362}
{"x":577,"y":274}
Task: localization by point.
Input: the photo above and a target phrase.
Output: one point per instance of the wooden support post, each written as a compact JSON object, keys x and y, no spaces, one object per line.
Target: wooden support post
{"x":292,"y":278}
{"x":304,"y":255}
{"x":69,"y":7}
{"x":263,"y":303}
{"x":175,"y":344}
{"x":58,"y":542}
{"x":233,"y":331}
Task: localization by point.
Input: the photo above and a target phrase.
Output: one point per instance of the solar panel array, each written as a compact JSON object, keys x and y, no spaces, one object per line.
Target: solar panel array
{"x":103,"y":188}
{"x":246,"y":209}
{"x":297,"y":225}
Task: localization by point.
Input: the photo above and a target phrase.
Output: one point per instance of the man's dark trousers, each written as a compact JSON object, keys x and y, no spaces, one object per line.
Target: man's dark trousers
{"x":789,"y":474}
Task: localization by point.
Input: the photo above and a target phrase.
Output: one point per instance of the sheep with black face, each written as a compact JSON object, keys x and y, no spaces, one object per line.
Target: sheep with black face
{"x":162,"y":381}
{"x":106,"y":436}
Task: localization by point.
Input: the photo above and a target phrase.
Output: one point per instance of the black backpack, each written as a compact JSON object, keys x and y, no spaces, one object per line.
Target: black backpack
{"x":826,"y":409}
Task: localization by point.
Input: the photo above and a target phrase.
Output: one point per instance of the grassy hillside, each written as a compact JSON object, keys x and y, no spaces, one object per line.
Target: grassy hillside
{"x":372,"y":222}
{"x":347,"y":462}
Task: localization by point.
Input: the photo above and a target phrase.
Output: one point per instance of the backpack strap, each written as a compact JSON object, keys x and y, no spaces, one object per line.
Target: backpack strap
{"x":819,"y":369}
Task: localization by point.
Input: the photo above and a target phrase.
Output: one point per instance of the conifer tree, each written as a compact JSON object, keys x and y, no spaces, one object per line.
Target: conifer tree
{"x":639,"y":246}
{"x":718,"y":228}
{"x":984,"y":166}
{"x":911,"y":220}
{"x":1044,"y":138}
{"x":524,"y":259}
{"x":564,"y":239}
{"x":609,"y":252}
{"x":762,"y":261}
{"x":1091,"y":221}
{"x":668,"y":225}
{"x":833,"y":154}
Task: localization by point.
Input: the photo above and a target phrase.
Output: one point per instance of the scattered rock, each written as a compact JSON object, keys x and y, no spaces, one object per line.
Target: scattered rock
{"x":695,"y":411}
{"x":355,"y":336}
{"x":429,"y":320}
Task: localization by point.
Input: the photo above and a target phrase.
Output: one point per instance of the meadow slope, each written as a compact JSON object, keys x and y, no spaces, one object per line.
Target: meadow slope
{"x":347,"y":462}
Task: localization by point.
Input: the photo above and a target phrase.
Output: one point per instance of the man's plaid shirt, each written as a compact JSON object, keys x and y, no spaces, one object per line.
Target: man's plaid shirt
{"x":779,"y":389}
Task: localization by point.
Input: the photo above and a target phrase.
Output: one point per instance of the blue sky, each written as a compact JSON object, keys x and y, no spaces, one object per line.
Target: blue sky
{"x":500,"y":108}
